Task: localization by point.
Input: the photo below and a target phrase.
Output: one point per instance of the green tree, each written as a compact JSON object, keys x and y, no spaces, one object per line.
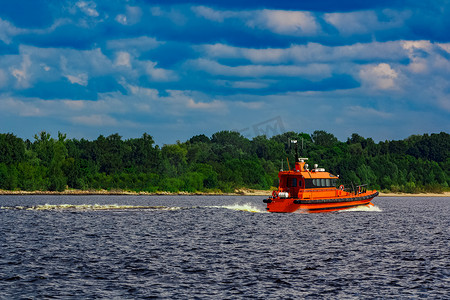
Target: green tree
{"x":12,"y":149}
{"x":323,"y":138}
{"x":144,"y":156}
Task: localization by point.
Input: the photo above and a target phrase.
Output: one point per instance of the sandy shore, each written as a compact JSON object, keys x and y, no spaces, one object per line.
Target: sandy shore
{"x":445,"y":194}
{"x":243,"y":192}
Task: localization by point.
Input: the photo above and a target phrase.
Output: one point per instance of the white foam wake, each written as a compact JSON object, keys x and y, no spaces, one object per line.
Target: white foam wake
{"x":241,"y":207}
{"x":85,"y":207}
{"x":367,"y":208}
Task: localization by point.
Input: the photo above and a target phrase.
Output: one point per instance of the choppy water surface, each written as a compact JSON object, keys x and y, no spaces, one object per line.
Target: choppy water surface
{"x":221,"y":247}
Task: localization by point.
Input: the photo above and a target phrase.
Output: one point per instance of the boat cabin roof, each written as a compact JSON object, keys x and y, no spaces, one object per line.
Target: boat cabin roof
{"x":301,"y":170}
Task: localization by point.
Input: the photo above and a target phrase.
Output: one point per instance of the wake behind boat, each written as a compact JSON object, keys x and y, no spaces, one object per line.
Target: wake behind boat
{"x":314,"y":191}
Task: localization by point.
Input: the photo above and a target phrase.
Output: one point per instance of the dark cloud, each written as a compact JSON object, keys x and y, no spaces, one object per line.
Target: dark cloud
{"x":27,"y":14}
{"x":333,"y":83}
{"x":6,"y":49}
{"x":105,"y":84}
{"x":170,"y":54}
{"x":62,"y":89}
{"x":431,"y":22}
{"x":320,"y":5}
{"x":65,"y":36}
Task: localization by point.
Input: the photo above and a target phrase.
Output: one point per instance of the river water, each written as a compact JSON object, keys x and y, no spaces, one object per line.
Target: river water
{"x":220,"y":247}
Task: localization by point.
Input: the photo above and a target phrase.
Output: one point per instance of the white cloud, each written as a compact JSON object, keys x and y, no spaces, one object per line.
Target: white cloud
{"x":22,"y":74}
{"x":297,"y":23}
{"x":88,"y":7}
{"x":363,"y":22}
{"x":156,"y":11}
{"x":309,"y":53}
{"x":143,"y":92}
{"x":45,"y":67}
{"x":178,"y":103}
{"x":249,"y":84}
{"x":123,"y":59}
{"x":353,"y":22}
{"x":212,"y":14}
{"x":366,"y":112}
{"x":412,"y":45}
{"x":74,"y":104}
{"x":244,"y":84}
{"x":414,"y":49}
{"x":249,"y":105}
{"x":92,"y":62}
{"x":445,"y":46}
{"x":132,"y":16}
{"x":81,"y":79}
{"x":95,"y":120}
{"x":418,"y":65}
{"x":7,"y":31}
{"x":20,"y":108}
{"x":380,"y":76}
{"x":426,"y":60}
{"x":158,"y":74}
{"x":135,"y":45}
{"x":175,"y":15}
{"x":313,"y":71}
{"x":444,"y":102}
{"x":220,"y":50}
{"x":213,"y":105}
{"x":35,"y":65}
{"x":122,"y":19}
{"x":3,"y":79}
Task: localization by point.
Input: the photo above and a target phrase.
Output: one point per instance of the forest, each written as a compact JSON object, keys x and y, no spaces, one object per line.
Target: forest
{"x":224,"y":162}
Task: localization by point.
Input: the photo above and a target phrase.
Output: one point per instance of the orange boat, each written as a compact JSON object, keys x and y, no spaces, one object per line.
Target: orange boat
{"x":314,"y":191}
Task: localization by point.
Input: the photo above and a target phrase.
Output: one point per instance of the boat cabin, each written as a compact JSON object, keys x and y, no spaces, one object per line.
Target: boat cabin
{"x":296,"y":181}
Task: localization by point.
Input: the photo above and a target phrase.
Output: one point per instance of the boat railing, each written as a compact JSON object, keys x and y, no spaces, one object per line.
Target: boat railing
{"x":359,"y":189}
{"x":356,"y":190}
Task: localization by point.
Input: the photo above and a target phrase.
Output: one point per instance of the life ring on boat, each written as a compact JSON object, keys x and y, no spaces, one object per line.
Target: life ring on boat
{"x":341,"y":187}
{"x":275,"y":194}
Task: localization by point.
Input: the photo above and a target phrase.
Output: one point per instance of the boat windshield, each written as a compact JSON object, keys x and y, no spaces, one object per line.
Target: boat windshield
{"x":320,"y":183}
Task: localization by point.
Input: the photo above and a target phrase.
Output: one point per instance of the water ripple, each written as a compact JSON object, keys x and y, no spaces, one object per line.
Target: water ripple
{"x":220,"y":247}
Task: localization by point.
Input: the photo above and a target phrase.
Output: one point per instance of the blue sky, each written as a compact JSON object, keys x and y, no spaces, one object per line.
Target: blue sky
{"x":175,"y":69}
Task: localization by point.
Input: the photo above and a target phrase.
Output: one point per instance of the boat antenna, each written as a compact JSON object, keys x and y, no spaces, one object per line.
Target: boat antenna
{"x":302,"y":146}
{"x":296,"y":149}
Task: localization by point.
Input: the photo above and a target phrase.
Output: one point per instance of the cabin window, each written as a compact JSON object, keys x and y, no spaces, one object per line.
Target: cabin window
{"x":319,"y":183}
{"x":310,"y":183}
{"x":292,"y":182}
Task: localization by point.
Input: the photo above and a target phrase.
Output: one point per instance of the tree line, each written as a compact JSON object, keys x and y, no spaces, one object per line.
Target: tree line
{"x":221,"y":163}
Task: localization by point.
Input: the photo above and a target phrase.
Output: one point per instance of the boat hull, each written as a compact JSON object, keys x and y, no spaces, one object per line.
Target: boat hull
{"x":290,"y":205}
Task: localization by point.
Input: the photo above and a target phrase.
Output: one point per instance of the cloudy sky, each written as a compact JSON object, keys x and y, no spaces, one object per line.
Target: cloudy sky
{"x":175,"y":69}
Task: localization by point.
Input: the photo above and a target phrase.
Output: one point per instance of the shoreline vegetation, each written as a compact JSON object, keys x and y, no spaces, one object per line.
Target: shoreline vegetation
{"x":239,"y":192}
{"x":225,"y":163}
